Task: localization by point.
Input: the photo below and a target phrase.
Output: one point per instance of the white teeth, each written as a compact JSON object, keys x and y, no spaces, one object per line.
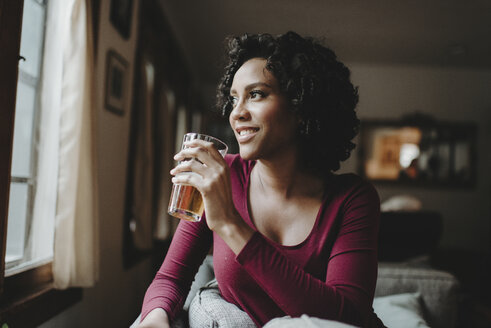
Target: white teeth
{"x":244,"y":132}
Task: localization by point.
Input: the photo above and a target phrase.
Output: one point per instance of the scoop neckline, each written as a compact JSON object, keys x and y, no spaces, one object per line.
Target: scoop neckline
{"x":246,"y":205}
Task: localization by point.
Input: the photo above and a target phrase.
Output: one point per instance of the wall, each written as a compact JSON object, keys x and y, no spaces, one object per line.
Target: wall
{"x":116,"y":299}
{"x":452,"y":94}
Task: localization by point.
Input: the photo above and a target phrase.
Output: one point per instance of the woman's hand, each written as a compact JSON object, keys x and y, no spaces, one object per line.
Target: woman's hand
{"x":211,"y":176}
{"x":157,"y":318}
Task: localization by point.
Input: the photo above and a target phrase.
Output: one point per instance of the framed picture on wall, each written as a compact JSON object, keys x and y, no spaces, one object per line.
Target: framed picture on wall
{"x":116,"y":82}
{"x":120,"y":16}
{"x":418,"y":151}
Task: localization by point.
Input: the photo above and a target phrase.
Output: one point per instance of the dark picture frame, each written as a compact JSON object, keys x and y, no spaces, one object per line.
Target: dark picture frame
{"x":120,"y":16}
{"x":116,"y":83}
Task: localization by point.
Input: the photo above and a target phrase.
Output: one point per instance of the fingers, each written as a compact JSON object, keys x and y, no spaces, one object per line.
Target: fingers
{"x":190,"y":166}
{"x":200,"y":165}
{"x":204,"y":151}
{"x":188,"y":178}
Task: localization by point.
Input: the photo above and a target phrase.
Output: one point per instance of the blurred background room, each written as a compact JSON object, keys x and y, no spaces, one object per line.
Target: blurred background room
{"x":95,"y":96}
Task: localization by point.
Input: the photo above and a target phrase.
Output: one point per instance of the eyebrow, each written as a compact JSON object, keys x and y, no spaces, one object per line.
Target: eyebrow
{"x":253,"y":85}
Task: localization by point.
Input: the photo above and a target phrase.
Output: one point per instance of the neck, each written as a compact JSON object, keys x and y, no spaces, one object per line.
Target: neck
{"x":283,"y":177}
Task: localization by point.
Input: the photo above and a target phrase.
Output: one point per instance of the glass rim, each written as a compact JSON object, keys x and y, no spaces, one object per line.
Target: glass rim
{"x":207,"y":137}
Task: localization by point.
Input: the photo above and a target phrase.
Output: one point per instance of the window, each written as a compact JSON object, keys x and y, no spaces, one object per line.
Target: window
{"x":19,"y":256}
{"x":27,"y":296}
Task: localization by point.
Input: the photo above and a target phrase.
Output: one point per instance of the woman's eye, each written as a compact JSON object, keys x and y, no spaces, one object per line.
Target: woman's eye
{"x":255,"y":94}
{"x":233,"y":101}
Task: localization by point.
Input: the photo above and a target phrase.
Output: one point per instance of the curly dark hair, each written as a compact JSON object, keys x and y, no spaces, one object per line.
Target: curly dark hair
{"x":317,"y":86}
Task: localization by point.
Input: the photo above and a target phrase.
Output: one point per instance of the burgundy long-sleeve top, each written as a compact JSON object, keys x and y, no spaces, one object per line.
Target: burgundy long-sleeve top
{"x":331,"y":274}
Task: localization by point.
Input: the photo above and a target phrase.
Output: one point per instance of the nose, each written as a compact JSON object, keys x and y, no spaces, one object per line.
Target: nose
{"x":240,"y":112}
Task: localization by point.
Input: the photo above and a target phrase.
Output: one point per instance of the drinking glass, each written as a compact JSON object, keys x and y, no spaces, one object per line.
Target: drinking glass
{"x":186,"y":201}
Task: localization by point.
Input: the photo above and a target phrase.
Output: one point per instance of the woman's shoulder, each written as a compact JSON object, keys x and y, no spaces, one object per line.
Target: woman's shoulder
{"x":349,"y":183}
{"x":354,"y":194}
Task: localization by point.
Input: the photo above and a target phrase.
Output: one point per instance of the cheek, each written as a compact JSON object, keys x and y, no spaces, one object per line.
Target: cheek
{"x":281,"y":116}
{"x":272,"y":113}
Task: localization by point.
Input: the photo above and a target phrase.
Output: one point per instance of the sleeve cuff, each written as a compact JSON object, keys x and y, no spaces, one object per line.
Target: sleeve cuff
{"x":156,"y":305}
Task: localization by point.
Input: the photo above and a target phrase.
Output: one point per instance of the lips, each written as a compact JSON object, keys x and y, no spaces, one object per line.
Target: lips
{"x":246,"y":133}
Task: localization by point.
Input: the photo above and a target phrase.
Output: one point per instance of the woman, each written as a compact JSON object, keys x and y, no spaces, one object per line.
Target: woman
{"x":289,"y":237}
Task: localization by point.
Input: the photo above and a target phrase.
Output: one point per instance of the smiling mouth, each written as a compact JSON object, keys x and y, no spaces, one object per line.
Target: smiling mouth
{"x":247,"y":132}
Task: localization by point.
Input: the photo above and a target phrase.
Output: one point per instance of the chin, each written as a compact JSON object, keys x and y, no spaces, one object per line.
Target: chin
{"x":247,"y":154}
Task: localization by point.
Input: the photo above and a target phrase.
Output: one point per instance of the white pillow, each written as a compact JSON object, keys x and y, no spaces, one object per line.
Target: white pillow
{"x":400,"y":310}
{"x":305,"y":322}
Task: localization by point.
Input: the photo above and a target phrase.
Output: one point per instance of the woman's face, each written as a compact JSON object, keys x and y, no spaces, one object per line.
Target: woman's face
{"x":262,"y":122}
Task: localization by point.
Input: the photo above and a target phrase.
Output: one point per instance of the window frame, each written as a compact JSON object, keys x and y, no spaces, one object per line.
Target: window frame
{"x":27,"y":299}
{"x":30,"y":179}
{"x":10,"y":31}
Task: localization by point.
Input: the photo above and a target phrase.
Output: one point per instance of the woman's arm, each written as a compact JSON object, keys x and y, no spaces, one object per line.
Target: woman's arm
{"x":169,"y":289}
